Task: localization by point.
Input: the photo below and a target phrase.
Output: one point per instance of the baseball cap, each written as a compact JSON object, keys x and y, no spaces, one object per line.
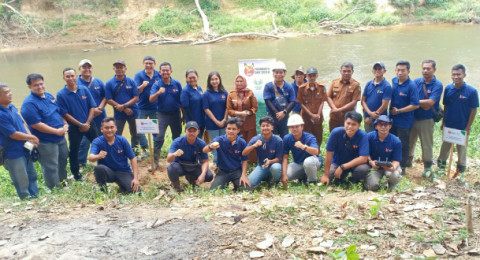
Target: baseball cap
{"x":312,"y":70}
{"x":84,"y":61}
{"x":379,"y":64}
{"x":191,"y":124}
{"x":120,"y":62}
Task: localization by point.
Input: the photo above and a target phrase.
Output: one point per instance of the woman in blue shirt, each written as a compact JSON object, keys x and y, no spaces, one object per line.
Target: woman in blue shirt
{"x":215,"y":107}
{"x":192,"y":100}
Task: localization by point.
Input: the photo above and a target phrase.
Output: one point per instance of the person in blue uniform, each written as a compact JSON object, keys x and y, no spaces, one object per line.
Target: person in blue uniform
{"x":192,"y":100}
{"x":299,"y":78}
{"x":112,"y":153}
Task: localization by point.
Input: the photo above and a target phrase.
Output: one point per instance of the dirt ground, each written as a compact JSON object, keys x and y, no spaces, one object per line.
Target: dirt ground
{"x":426,"y":221}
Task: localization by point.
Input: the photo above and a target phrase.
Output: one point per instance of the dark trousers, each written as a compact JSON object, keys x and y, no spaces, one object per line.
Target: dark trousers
{"x":359,"y":173}
{"x":175,"y":170}
{"x":132,"y":127}
{"x":404,"y":135}
{"x":281,"y":127}
{"x":223,"y":178}
{"x":104,"y":175}
{"x":166,"y":119}
{"x":75,"y":138}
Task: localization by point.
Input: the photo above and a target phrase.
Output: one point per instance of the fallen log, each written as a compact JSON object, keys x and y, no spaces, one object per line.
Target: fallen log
{"x":232,"y":35}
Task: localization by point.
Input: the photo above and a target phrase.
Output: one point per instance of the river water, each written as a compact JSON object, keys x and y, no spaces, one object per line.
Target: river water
{"x":447,"y":44}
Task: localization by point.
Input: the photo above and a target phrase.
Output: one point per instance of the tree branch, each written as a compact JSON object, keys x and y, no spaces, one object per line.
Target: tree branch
{"x":206,"y":24}
{"x":19,"y":14}
{"x":230,"y":35}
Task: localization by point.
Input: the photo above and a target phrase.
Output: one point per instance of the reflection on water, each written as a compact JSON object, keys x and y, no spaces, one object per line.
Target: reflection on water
{"x":447,"y":44}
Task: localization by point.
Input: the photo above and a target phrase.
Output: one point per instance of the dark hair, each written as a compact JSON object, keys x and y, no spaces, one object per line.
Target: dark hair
{"x":347,"y":64}
{"x":235,"y":121}
{"x":67,"y":69}
{"x":266,"y":119}
{"x":220,"y":86}
{"x":148,"y":57}
{"x":190,"y":71}
{"x":165,"y":64}
{"x":3,"y":85}
{"x":434,"y":64}
{"x":33,"y":76}
{"x":354,"y":116}
{"x":403,"y":62}
{"x":459,"y":67}
{"x":108,"y":119}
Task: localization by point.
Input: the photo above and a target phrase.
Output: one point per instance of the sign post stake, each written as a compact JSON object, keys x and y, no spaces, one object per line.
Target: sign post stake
{"x":453,"y":136}
{"x":149,"y":127}
{"x":450,"y":161}
{"x":151,"y":152}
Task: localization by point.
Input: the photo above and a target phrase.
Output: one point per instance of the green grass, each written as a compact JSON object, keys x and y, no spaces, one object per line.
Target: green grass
{"x":112,"y":23}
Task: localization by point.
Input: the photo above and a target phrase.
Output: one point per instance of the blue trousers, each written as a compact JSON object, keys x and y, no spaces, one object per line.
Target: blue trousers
{"x":260,"y":174}
{"x":24,"y":176}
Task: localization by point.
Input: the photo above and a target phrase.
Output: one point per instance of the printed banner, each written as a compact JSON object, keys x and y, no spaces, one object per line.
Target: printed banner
{"x":258,"y":73}
{"x":454,"y":136}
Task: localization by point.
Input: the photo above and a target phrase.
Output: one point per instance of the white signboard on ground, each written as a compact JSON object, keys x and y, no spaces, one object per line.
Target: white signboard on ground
{"x":258,"y":73}
{"x":147,"y":126}
{"x":454,"y":136}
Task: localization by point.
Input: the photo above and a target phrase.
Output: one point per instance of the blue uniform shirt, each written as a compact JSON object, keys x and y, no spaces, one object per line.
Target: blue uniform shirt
{"x":77,"y":104}
{"x":402,"y":96}
{"x":271,"y":149}
{"x":343,"y":152}
{"x":375,"y":94}
{"x":390,"y":149}
{"x":97,"y":89}
{"x":143,"y":99}
{"x":192,"y":100}
{"x":117,"y":154}
{"x":434,"y":91}
{"x":217,"y":103}
{"x":190,"y":151}
{"x":230,"y":156}
{"x":459,"y":104}
{"x":299,"y":155}
{"x":286,"y":95}
{"x":11,"y":122}
{"x":42,"y":110}
{"x":128,"y":90}
{"x":168,"y":101}
{"x":297,"y":108}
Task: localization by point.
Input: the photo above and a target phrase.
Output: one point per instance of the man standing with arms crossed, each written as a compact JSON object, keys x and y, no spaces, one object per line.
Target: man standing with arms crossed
{"x":429,"y":92}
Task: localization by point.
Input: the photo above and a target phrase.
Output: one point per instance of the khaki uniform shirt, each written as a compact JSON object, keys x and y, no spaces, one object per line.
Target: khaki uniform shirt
{"x":312,"y":99}
{"x":343,"y":93}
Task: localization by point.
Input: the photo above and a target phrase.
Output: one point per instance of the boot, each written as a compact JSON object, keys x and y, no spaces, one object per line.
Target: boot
{"x":191,"y":179}
{"x":145,"y":153}
{"x":176,"y":186}
{"x":409,"y":162}
{"x":427,"y":170}
{"x":156,"y":158}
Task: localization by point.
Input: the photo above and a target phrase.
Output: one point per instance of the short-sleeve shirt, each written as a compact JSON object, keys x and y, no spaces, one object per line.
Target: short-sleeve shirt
{"x":434,"y":92}
{"x":402,"y":96}
{"x":312,"y":97}
{"x":297,"y":108}
{"x":217,"y":103}
{"x":345,"y":148}
{"x":11,"y":122}
{"x":192,"y":99}
{"x":168,"y":101}
{"x":77,"y":104}
{"x":375,"y":94}
{"x":143,"y":98}
{"x":230,"y":156}
{"x":342,"y":92}
{"x":298,"y":154}
{"x":459,"y":103}
{"x":271,"y":149}
{"x":190,"y":151}
{"x":128,"y":90}
{"x":97,"y":88}
{"x":285,"y":95}
{"x":390,"y":149}
{"x":45,"y":110}
{"x":117,"y":154}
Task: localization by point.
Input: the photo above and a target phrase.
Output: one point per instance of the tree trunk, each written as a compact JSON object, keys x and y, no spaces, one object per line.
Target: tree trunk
{"x":206,"y":24}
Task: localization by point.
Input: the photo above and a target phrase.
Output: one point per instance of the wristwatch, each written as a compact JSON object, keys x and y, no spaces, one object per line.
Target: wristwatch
{"x":342,"y":167}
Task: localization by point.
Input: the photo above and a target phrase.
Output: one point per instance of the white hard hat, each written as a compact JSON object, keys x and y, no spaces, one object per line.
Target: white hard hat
{"x":279,"y":65}
{"x":295,"y":119}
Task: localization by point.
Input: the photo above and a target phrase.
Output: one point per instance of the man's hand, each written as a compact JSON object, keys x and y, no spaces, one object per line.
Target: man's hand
{"x":221,"y":123}
{"x":178,"y":153}
{"x":102,"y":154}
{"x":372,"y":163}
{"x":84,"y":128}
{"x":135,"y":185}
{"x":258,"y":143}
{"x":368,"y":120}
{"x":325,"y":179}
{"x":214,"y":145}
{"x":245,"y":182}
{"x":62,"y":130}
{"x":338,"y":172}
{"x":280,"y":115}
{"x":145,"y":83}
{"x":119,"y":108}
{"x":161,"y":90}
{"x":97,"y":112}
{"x":315,"y":118}
{"x":266,"y":163}
{"x":394,"y":111}
{"x":335,"y":110}
{"x":200,"y":179}
{"x":388,"y":169}
{"x":299,"y":145}
{"x":34,"y":140}
{"x":284,"y":180}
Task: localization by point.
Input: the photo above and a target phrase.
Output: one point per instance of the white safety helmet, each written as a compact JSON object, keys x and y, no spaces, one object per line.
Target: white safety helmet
{"x":279,"y":65}
{"x":295,"y":119}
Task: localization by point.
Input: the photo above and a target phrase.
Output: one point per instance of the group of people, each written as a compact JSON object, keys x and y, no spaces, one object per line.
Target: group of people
{"x":395,"y":116}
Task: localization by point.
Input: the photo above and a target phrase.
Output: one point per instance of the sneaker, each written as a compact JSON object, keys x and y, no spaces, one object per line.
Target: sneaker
{"x":427,"y":173}
{"x":404,"y":171}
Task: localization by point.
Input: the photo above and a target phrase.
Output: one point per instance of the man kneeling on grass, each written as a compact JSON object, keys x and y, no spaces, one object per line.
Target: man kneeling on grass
{"x":385,"y":155}
{"x":269,"y":149}
{"x":112,"y":153}
{"x":187,"y":159}
{"x":231,"y":163}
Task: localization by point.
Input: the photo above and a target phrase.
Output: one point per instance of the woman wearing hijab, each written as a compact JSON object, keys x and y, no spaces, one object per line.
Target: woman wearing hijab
{"x":242,"y":103}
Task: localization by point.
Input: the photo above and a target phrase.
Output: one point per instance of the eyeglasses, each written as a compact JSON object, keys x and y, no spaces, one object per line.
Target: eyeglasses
{"x":385,"y":124}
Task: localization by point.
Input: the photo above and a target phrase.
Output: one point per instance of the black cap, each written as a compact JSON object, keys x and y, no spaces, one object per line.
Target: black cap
{"x":191,"y":124}
{"x":148,"y":57}
{"x":379,"y":64}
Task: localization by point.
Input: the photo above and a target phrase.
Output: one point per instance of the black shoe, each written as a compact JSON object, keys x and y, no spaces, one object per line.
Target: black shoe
{"x":409,"y":162}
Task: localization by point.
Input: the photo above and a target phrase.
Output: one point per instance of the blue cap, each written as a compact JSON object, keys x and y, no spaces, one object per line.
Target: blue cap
{"x":312,"y":70}
{"x":383,"y":118}
{"x":379,"y":64}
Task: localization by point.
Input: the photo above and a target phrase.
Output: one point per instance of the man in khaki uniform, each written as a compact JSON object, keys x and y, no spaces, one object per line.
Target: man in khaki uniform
{"x":311,"y":97}
{"x":343,"y":95}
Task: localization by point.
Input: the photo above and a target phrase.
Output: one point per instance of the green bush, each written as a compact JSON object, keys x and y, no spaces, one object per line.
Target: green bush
{"x":403,"y":3}
{"x":171,"y":22}
{"x":436,"y":3}
{"x":384,"y":18}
